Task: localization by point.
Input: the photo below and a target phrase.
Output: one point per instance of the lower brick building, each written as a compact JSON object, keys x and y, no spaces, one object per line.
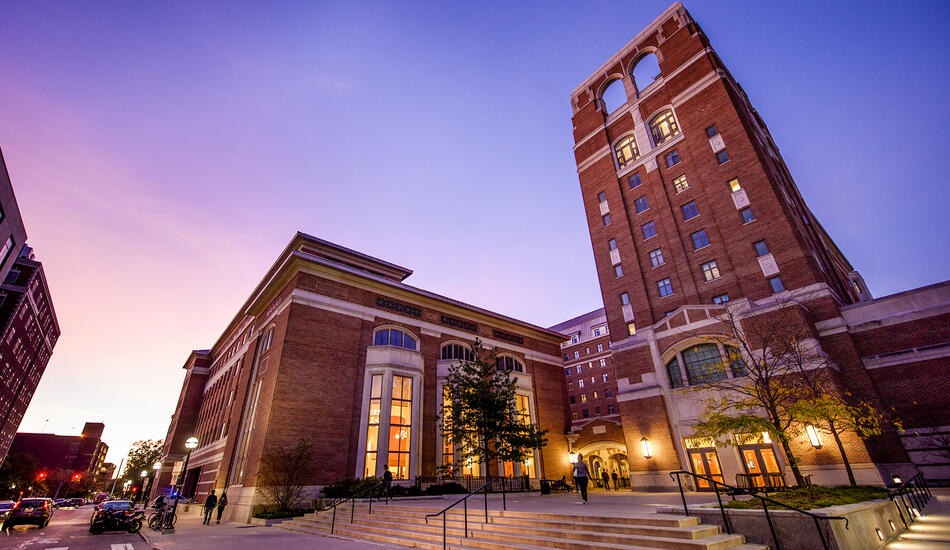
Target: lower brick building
{"x":333,"y":348}
{"x":77,"y":454}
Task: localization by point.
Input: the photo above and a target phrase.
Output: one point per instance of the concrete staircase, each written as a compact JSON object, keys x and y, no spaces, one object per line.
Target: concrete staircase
{"x":406,"y":526}
{"x":930,"y":532}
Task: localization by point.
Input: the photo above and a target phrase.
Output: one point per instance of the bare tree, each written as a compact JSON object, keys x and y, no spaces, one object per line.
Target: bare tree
{"x":284,"y":474}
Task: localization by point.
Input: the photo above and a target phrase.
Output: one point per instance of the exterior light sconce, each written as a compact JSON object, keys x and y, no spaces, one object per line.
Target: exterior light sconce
{"x":572,"y":456}
{"x":813,"y":436}
{"x":191,"y":443}
{"x":880,"y":534}
{"x":897,"y":479}
{"x":893,"y":527}
{"x":157,"y":466}
{"x":647,"y":448}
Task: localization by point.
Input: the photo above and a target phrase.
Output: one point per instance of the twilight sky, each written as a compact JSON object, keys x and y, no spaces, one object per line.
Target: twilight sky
{"x":163,"y":153}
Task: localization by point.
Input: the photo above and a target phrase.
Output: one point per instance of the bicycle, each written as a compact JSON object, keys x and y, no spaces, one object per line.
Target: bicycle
{"x":163,"y":518}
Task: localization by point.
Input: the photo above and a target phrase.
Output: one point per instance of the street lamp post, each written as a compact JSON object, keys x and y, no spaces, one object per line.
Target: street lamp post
{"x":145,"y":496}
{"x":143,"y":475}
{"x":191,"y":444}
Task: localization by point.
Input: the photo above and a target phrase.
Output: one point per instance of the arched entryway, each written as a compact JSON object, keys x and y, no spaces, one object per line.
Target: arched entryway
{"x":609,"y":457}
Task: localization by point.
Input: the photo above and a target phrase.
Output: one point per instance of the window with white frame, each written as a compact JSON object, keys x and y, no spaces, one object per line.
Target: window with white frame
{"x":457,"y":351}
{"x":394,"y":337}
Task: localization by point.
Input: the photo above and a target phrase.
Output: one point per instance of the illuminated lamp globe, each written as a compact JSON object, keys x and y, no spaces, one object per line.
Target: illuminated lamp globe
{"x":191,"y":443}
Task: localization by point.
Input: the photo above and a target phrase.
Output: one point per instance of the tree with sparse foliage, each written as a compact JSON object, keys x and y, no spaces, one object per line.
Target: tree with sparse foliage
{"x":142,"y":455}
{"x":480,"y":415}
{"x":17,"y":473}
{"x":284,"y":473}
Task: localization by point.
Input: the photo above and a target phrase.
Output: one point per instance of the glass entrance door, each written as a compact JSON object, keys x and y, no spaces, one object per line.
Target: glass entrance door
{"x":705,"y":462}
{"x":759,"y":463}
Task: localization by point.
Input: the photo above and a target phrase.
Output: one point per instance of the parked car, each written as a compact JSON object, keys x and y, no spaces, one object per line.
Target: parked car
{"x":72,"y":503}
{"x":111,"y":505}
{"x":58,"y":502}
{"x":26,"y":511}
{"x":5,"y":507}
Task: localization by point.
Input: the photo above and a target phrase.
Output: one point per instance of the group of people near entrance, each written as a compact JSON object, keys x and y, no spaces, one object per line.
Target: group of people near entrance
{"x":213,"y":501}
{"x":582,"y":477}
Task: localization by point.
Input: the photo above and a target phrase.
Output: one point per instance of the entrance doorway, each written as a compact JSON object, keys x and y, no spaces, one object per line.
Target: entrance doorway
{"x":758,"y":459}
{"x":704,"y":460}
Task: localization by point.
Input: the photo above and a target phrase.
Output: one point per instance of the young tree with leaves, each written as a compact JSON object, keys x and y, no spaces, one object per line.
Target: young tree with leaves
{"x":142,"y":455}
{"x":284,"y":473}
{"x":480,"y":415}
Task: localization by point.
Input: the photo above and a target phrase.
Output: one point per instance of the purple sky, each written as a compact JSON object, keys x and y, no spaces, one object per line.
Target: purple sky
{"x":163,"y":153}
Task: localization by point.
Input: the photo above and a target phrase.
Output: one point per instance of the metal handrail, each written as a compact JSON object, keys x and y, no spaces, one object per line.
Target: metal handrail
{"x":917,"y":492}
{"x":504,"y":505}
{"x":353,"y":507}
{"x":751,"y":492}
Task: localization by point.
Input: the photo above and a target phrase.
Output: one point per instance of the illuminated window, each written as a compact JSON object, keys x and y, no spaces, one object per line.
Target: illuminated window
{"x":457,"y":351}
{"x":583,"y":398}
{"x":721,"y":299}
{"x":626,"y":151}
{"x":603,"y":363}
{"x":394,"y":337}
{"x":631,"y":328}
{"x":656,"y":257}
{"x":596,"y":396}
{"x":600,"y":348}
{"x":604,"y":376}
{"x":400,"y":426}
{"x":372,"y":426}
{"x":734,"y":184}
{"x":577,"y":354}
{"x":663,"y":126}
{"x":580,"y":383}
{"x":570,"y":385}
{"x":665,"y":287}
{"x":680,"y":184}
{"x":573,"y":415}
{"x":648,"y":230}
{"x":448,"y":450}
{"x":711,"y":271}
{"x":509,"y":363}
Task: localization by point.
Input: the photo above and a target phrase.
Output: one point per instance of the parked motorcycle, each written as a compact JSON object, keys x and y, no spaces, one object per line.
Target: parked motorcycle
{"x":117,"y":520}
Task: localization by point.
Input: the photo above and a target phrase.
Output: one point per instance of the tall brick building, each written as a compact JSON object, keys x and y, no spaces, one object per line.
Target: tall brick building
{"x":693,"y":215}
{"x":334,"y":348}
{"x":79,"y":454}
{"x":28,"y":325}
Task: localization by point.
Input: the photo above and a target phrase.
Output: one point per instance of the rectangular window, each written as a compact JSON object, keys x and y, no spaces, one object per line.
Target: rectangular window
{"x":776,"y":284}
{"x":612,"y":244}
{"x":635,"y":180}
{"x":400,"y":426}
{"x":580,"y":384}
{"x":372,"y":427}
{"x":618,"y":271}
{"x":610,"y":409}
{"x":656,"y":257}
{"x":722,"y":157}
{"x":641,"y":204}
{"x":586,"y":414}
{"x":648,"y":230}
{"x":570,"y":385}
{"x":711,"y":131}
{"x":604,"y":376}
{"x":747,"y":215}
{"x":734,"y":185}
{"x":573,"y":415}
{"x":608,"y":393}
{"x":5,"y":251}
{"x":579,"y":371}
{"x":761,"y":249}
{"x":711,"y":271}
{"x":596,"y":410}
{"x":601,"y":197}
{"x":595,"y":396}
{"x":573,"y":400}
{"x":689,"y":210}
{"x":672,"y":158}
{"x":631,"y":328}
{"x":600,"y":348}
{"x":583,"y":398}
{"x":665,"y":287}
{"x":680,"y":184}
{"x":577,"y":355}
{"x":699,"y":239}
{"x":448,"y":450}
{"x":606,"y":219}
{"x":603,"y":363}
{"x":568,"y":371}
{"x":624,"y":298}
{"x":721,"y":299}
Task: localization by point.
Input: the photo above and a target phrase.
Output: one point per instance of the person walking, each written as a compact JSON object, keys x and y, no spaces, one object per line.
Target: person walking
{"x":614,"y":476}
{"x":222,"y":502}
{"x":209,"y":506}
{"x":581,"y":476}
{"x":388,"y":481}
{"x":606,"y":479}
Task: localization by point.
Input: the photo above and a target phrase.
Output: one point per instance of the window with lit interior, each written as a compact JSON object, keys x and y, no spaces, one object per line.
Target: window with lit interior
{"x":626,"y":151}
{"x":663,"y":127}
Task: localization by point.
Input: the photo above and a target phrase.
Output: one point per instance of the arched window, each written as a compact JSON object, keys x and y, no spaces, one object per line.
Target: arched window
{"x":646,"y":71}
{"x":394,"y":337}
{"x":509,"y":363}
{"x":626,"y":150}
{"x":457,"y":351}
{"x":703,"y":364}
{"x":614,"y":96}
{"x":663,"y":126}
{"x":673,"y":371}
{"x":267,"y":340}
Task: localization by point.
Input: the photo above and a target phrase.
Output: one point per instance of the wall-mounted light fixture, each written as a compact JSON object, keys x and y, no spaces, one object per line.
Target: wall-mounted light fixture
{"x":647,"y":448}
{"x":572,"y":456}
{"x":813,"y":436}
{"x":897,"y":479}
{"x":893,"y":527}
{"x":880,"y":534}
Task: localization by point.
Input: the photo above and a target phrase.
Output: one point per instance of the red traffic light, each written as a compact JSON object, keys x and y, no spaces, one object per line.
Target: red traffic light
{"x":134,"y":489}
{"x":41,"y":476}
{"x":77,"y":477}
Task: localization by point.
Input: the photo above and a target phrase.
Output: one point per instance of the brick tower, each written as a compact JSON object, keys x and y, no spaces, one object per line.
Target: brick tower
{"x":691,"y":209}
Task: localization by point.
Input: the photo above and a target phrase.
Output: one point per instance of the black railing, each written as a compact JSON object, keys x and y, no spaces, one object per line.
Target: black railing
{"x":464,"y":500}
{"x":751,"y":492}
{"x":914,"y":490}
{"x":513,"y":484}
{"x":352,"y":499}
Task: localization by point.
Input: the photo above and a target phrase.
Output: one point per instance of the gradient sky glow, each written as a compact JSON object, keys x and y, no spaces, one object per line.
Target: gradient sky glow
{"x":163,"y":153}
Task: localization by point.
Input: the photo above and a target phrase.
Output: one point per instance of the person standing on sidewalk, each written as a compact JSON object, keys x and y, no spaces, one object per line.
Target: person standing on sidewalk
{"x":613,"y":475}
{"x":606,"y":479}
{"x":222,"y":502}
{"x":581,"y":476}
{"x":209,"y":506}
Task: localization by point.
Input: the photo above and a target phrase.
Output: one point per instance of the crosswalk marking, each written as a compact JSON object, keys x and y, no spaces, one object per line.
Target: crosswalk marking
{"x":126,"y":546}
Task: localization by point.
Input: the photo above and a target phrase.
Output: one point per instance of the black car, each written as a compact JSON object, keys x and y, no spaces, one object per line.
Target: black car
{"x":73,"y":502}
{"x":30,"y":511}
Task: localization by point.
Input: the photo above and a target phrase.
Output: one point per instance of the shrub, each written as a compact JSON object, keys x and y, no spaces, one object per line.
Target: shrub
{"x":348,"y":486}
{"x":816,"y":496}
{"x":450,"y":488}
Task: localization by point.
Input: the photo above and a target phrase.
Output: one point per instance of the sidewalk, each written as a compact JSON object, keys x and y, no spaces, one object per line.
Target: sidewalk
{"x":191,"y":534}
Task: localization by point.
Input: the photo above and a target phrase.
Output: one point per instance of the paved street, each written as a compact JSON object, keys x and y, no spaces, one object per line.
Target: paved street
{"x":69,"y":530}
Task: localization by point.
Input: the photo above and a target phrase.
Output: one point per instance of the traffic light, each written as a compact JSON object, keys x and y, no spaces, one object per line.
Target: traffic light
{"x":41,"y":476}
{"x":77,"y":477}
